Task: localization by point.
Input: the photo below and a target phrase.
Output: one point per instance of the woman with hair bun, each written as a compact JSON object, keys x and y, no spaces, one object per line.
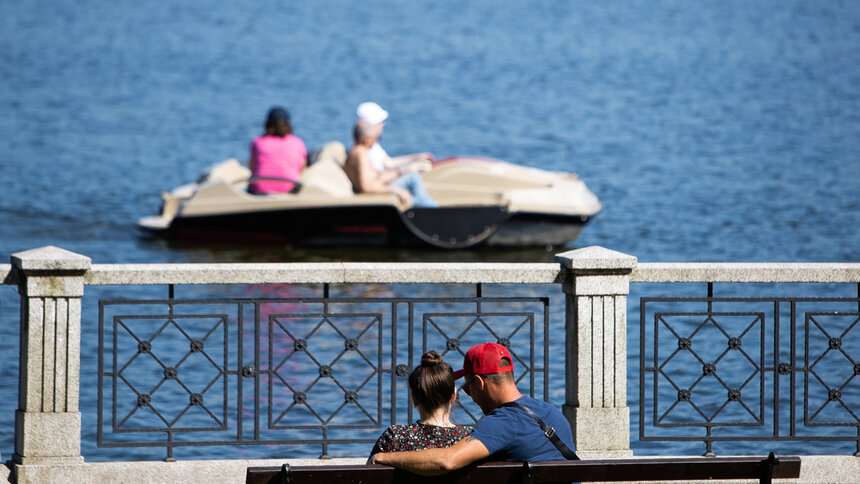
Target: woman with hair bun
{"x":432,"y":391}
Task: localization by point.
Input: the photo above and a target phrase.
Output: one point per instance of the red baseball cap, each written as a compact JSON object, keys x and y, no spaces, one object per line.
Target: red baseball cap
{"x":484,"y":359}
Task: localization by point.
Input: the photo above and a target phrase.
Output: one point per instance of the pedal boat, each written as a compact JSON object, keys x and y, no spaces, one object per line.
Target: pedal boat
{"x":482,"y":202}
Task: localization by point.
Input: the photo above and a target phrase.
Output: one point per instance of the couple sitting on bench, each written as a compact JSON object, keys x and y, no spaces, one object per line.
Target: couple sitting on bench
{"x":514,"y":427}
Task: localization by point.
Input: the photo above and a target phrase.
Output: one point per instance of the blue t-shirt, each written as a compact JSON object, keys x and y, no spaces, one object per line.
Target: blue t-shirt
{"x":511,"y":434}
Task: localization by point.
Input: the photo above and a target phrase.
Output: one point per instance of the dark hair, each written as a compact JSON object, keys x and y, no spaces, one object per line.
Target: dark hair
{"x":278,"y":122}
{"x":432,"y":383}
{"x":497,"y":378}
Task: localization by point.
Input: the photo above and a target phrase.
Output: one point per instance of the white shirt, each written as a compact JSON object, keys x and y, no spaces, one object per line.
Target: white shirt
{"x":378,"y":157}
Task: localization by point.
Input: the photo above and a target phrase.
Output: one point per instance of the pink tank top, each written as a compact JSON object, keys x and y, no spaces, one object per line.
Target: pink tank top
{"x":273,"y":156}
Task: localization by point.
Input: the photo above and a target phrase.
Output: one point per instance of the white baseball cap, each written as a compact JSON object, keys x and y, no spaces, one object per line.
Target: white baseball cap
{"x":371,"y":113}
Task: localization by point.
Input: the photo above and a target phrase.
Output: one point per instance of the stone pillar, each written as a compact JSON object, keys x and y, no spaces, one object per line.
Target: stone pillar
{"x":48,"y":420}
{"x":596,"y":289}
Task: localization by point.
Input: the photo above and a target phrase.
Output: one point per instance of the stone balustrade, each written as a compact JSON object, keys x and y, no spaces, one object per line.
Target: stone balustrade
{"x":595,"y":282}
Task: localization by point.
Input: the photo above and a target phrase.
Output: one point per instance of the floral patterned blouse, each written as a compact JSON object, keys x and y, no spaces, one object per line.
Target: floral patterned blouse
{"x":418,"y":436}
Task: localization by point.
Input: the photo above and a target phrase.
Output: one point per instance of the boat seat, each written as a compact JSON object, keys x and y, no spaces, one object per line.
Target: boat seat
{"x":326,"y":177}
{"x":229,"y":171}
{"x":332,"y":149}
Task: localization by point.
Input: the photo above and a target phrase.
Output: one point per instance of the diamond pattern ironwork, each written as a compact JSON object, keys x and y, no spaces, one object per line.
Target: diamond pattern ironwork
{"x":816,"y":324}
{"x":754,"y":353}
{"x":688,"y":343}
{"x":155,"y":349}
{"x":324,"y":370}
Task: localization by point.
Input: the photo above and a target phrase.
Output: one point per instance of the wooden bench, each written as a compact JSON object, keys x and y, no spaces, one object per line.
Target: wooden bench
{"x":611,"y":470}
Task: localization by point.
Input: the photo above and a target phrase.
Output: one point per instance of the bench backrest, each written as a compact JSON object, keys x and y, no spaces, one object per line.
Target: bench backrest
{"x":642,"y":469}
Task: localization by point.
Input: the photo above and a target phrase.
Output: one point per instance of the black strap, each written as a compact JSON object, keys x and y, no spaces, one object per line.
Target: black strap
{"x":547,"y":430}
{"x":285,"y":474}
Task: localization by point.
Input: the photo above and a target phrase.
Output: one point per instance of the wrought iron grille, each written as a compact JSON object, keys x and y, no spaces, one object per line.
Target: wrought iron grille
{"x":278,"y":371}
{"x":789,"y":367}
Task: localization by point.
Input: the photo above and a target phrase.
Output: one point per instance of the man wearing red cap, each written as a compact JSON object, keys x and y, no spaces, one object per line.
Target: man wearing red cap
{"x":507,"y":432}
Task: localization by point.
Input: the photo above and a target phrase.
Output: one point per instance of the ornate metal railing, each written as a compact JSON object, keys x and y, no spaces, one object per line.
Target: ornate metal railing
{"x":769,"y":369}
{"x":323,"y":370}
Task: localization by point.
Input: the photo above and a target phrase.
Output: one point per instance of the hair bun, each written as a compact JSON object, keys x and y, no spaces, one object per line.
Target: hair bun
{"x":431,"y":358}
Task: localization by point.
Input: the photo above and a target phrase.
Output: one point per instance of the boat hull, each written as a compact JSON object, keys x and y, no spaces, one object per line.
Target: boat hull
{"x":381,"y":225}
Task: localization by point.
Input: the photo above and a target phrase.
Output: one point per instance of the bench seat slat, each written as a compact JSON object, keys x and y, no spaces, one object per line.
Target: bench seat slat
{"x":647,"y":469}
{"x":663,"y":469}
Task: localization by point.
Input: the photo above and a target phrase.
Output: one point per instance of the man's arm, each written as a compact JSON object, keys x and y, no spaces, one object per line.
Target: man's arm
{"x":371,"y":181}
{"x":434,"y":462}
{"x":413,"y":162}
{"x":403,"y":162}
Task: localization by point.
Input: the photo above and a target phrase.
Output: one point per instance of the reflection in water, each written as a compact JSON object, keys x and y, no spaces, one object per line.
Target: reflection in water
{"x":259,"y":253}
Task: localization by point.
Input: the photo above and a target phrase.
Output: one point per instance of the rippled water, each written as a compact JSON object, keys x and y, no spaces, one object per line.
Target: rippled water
{"x":711,"y":131}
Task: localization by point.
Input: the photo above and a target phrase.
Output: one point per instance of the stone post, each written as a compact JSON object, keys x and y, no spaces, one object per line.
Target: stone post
{"x":596,"y":289}
{"x":48,"y":420}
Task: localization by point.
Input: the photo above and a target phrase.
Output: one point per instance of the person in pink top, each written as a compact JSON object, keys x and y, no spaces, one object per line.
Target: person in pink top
{"x":277,"y":157}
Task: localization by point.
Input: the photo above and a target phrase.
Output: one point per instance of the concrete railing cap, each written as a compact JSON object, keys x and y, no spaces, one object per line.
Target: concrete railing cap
{"x":596,"y":258}
{"x":50,"y":258}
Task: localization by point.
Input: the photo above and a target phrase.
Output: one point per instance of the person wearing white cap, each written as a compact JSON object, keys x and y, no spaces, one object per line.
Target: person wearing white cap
{"x":370,"y":113}
{"x":373,"y":114}
{"x":371,"y":170}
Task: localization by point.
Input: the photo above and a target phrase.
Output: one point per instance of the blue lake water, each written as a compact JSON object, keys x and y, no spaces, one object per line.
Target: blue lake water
{"x":711,"y":131}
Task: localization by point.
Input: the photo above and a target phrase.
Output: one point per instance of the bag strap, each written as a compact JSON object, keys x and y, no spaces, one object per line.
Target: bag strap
{"x":547,"y":430}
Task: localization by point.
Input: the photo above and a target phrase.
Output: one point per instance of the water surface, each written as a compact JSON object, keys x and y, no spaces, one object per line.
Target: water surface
{"x":711,"y":131}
